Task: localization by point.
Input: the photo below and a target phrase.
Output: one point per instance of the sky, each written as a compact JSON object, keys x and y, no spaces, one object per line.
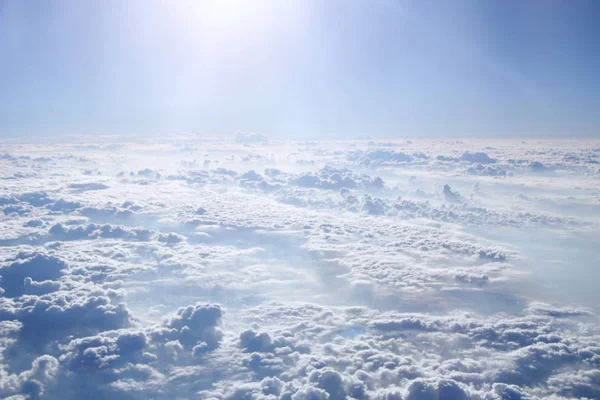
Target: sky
{"x":300,"y":68}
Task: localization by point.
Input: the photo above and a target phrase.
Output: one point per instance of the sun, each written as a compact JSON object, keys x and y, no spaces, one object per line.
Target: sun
{"x":226,"y":14}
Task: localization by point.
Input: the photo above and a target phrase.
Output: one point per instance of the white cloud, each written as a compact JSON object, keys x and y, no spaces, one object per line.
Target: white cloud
{"x":298,"y":271}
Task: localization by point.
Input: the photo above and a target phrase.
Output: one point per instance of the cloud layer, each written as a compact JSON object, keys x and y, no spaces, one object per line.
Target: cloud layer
{"x":247,"y":269}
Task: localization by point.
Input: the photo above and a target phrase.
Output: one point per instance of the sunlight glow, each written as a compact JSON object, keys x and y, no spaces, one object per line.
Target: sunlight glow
{"x":226,"y":14}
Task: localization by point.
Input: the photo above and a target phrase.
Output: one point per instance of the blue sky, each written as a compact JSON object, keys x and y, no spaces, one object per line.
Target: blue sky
{"x":300,"y":68}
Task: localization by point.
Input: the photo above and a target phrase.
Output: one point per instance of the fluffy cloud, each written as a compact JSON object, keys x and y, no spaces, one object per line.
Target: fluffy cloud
{"x":30,"y":273}
{"x":350,"y":269}
{"x":250,"y":137}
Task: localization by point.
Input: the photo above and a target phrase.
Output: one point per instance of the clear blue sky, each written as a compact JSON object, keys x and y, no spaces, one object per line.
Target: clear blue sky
{"x":300,"y":67}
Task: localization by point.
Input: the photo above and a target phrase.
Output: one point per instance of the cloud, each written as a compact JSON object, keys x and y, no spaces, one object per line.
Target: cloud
{"x":88,"y":186}
{"x":449,"y":194}
{"x":478,"y":157}
{"x":486,"y":170}
{"x":193,"y":325}
{"x":292,"y":270}
{"x":536,"y":166}
{"x":250,"y":137}
{"x":65,"y":206}
{"x":380,"y":157}
{"x":31,"y":274}
{"x":94,"y":231}
{"x":31,"y":382}
{"x":49,"y":317}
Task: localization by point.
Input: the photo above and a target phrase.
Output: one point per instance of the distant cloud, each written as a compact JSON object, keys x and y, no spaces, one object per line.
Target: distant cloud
{"x":250,"y":137}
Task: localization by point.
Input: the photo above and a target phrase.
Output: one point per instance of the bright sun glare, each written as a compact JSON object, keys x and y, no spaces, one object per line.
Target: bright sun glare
{"x":226,"y":14}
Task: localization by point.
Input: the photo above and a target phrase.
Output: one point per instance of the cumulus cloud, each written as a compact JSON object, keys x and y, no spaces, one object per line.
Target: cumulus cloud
{"x":194,"y":325}
{"x":250,"y":137}
{"x":477,"y":157}
{"x":224,"y":269}
{"x":30,"y":273}
{"x":449,"y":194}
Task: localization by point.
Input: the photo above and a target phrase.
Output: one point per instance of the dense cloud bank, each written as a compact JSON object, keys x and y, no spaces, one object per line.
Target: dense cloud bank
{"x":225,"y":269}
